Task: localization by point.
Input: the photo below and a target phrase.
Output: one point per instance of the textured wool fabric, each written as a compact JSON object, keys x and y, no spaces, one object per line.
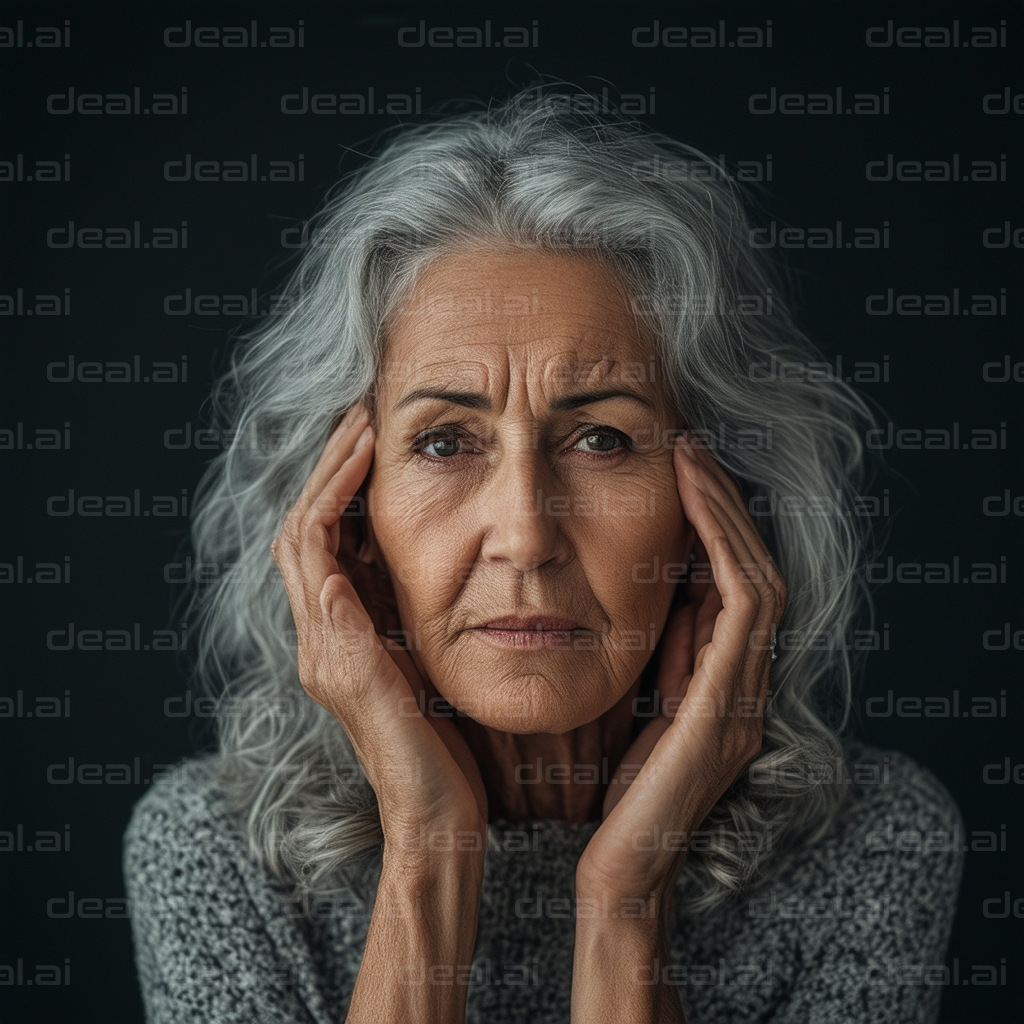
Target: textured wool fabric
{"x":852,"y":930}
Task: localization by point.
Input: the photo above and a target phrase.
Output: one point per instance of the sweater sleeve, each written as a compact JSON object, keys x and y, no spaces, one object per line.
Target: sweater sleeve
{"x":879,"y":955}
{"x":210,"y":946}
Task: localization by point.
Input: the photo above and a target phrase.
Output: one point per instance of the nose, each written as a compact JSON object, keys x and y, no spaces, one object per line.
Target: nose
{"x":525,"y":509}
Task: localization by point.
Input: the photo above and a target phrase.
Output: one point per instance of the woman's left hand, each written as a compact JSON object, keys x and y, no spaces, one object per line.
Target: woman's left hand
{"x":712,"y":685}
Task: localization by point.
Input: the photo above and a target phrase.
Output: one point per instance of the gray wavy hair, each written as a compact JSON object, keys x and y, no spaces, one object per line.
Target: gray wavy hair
{"x":538,"y":171}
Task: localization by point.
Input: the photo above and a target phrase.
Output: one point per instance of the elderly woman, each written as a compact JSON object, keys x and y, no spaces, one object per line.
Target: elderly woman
{"x":568,"y":742}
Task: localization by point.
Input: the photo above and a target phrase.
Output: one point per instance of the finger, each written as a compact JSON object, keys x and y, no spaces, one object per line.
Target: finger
{"x":308,"y":543}
{"x":320,"y":528}
{"x":350,"y":633}
{"x":752,"y":567}
{"x":713,"y":478}
{"x":378,"y":701}
{"x":698,"y":574}
{"x":770,"y":608}
{"x":703,"y":457}
{"x":754,"y":675}
{"x":713,"y":483}
{"x":696,"y":504}
{"x":739,"y":598}
{"x":358,"y":682}
{"x":694,"y":464}
{"x":713,"y":526}
{"x":730,"y":517}
{"x":338,"y":448}
{"x":285,"y":554}
{"x":374,"y":685}
{"x":719,"y":662}
{"x":707,"y":613}
{"x":330,"y":505}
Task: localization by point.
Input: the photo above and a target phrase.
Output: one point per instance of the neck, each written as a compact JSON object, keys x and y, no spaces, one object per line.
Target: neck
{"x":561,"y":776}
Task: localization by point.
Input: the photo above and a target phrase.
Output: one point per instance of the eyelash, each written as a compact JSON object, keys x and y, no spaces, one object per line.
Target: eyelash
{"x":454,"y":431}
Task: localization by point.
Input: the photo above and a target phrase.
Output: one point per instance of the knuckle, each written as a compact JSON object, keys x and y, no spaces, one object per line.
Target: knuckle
{"x":289,"y":529}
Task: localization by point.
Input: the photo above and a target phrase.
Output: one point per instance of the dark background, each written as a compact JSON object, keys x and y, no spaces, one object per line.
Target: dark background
{"x":117,"y":699}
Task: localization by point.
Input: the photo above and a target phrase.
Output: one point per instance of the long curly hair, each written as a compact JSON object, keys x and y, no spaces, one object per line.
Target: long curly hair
{"x":540,"y":171}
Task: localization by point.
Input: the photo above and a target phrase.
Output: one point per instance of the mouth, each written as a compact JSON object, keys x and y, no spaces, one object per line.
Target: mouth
{"x":531,"y":633}
{"x":534,"y":623}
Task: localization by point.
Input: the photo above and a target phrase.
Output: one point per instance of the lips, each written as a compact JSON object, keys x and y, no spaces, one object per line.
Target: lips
{"x":532,"y":624}
{"x":530,"y":633}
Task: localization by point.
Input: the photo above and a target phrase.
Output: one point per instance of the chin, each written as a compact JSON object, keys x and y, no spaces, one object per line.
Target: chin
{"x":529,"y":702}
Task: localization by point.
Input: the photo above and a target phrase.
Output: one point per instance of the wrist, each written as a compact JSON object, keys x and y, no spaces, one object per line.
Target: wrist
{"x":620,"y":923}
{"x":625,"y":915}
{"x":620,"y":966}
{"x":429,"y":857}
{"x":428,"y":866}
{"x":419,"y":947}
{"x":411,"y":842}
{"x":654,"y":884}
{"x":435,"y":894}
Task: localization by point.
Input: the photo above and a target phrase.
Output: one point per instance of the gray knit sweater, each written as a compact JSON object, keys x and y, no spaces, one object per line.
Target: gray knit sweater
{"x":851,"y":931}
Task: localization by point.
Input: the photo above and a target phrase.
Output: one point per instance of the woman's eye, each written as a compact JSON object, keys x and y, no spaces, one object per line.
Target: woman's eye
{"x":601,"y":441}
{"x":440,"y":446}
{"x":448,"y":445}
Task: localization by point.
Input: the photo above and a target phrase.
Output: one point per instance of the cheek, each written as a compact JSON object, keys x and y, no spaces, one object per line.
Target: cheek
{"x":415,"y":534}
{"x":666,"y":530}
{"x":636,"y":548}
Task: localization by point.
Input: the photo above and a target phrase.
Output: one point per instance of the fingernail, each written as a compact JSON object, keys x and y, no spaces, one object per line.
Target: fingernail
{"x":364,"y":439}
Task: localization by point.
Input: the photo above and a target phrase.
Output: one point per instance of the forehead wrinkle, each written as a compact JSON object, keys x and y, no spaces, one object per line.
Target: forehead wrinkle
{"x":512,"y":352}
{"x":516,"y":381}
{"x":440,"y":374}
{"x":581,"y":372}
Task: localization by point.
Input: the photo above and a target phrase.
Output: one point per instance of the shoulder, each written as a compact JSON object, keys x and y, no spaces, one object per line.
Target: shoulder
{"x":896,"y":847}
{"x":190,"y":790}
{"x":215,"y":938}
{"x":823,"y":938}
{"x":184,"y":847}
{"x":897,"y":803}
{"x":182,"y":816}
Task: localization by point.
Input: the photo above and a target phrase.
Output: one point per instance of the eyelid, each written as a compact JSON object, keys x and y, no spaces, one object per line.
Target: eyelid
{"x":444,"y":430}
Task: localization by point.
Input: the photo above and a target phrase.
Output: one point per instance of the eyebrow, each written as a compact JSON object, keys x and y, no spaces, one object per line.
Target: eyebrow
{"x":475,"y":400}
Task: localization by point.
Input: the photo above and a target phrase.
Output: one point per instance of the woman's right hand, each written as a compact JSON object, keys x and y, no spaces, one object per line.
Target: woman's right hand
{"x":433,"y":809}
{"x":423,"y":773}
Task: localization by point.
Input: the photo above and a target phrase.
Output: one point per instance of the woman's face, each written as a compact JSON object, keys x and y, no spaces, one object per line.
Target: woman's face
{"x":523,"y":472}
